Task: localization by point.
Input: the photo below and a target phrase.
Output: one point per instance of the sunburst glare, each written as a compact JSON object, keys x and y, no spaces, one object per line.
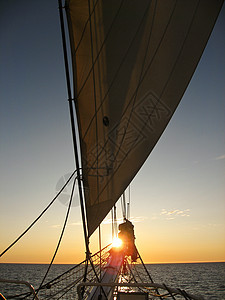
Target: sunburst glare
{"x":117,"y":242}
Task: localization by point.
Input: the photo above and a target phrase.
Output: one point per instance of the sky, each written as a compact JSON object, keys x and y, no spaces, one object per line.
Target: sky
{"x":177,"y":198}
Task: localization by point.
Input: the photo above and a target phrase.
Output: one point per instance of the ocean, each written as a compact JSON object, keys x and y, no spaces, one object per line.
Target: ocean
{"x":206,"y":279}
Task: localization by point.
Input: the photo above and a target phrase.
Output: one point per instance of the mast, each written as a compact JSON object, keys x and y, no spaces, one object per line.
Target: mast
{"x":70,"y":100}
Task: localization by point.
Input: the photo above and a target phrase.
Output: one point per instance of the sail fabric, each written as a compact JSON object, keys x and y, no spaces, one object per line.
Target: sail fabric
{"x":132,"y":61}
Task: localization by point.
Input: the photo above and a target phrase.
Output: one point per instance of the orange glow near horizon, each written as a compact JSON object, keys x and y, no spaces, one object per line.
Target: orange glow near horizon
{"x":152,"y":251}
{"x":157,"y":242}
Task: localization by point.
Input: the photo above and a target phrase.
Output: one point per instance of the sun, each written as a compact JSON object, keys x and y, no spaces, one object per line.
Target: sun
{"x":116,"y":243}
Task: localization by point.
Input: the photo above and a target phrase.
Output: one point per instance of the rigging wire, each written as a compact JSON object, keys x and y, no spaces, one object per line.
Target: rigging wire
{"x":61,"y":236}
{"x":96,"y":59}
{"x":138,"y":274}
{"x":42,"y":213}
{"x":113,"y":234}
{"x":100,"y":249}
{"x":71,"y":101}
{"x":146,"y":270}
{"x":72,"y":121}
{"x":128,"y":203}
{"x":96,"y":123}
{"x":115,"y":221}
{"x":123,"y":206}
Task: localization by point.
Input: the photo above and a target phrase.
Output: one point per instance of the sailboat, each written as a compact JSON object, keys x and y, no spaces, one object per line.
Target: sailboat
{"x":131,"y":64}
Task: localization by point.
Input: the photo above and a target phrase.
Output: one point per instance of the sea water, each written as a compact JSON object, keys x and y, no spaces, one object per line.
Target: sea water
{"x":206,"y":279}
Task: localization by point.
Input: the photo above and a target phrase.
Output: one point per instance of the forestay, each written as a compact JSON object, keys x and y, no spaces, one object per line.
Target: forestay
{"x":132,"y":61}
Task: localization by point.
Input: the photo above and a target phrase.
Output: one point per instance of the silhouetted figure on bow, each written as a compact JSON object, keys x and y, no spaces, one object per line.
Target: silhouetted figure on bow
{"x":126,"y":234}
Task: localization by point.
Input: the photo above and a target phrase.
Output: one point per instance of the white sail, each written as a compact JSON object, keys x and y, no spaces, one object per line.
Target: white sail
{"x":132,"y":61}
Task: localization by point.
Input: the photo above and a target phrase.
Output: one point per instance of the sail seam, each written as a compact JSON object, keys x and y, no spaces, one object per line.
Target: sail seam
{"x":94,"y":84}
{"x":133,"y":99}
{"x":140,"y":81}
{"x":167,"y":80}
{"x":126,"y":54}
{"x":85,"y":27}
{"x":122,"y":61}
{"x":95,"y":101}
{"x":100,"y":50}
{"x":117,"y":71}
{"x":181,"y":49}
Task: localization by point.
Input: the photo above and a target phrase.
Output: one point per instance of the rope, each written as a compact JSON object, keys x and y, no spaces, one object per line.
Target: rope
{"x":60,"y":239}
{"x":146,"y":270}
{"x":169,"y":291}
{"x":31,"y":225}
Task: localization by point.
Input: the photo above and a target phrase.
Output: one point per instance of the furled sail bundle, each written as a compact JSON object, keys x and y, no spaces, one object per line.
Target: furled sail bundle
{"x":132,"y":61}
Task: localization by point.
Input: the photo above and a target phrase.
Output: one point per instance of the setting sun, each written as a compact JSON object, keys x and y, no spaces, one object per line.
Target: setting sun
{"x":117,"y":242}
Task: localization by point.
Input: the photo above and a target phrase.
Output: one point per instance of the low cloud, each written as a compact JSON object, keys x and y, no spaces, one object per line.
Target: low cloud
{"x":75,"y":224}
{"x":56,"y":226}
{"x":220,"y":157}
{"x":70,"y":224}
{"x":138,"y":219}
{"x":172,"y":214}
{"x":107,"y":221}
{"x":207,"y":226}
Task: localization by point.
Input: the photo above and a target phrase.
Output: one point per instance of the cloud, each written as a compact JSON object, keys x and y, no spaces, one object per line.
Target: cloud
{"x":138,"y":219}
{"x":133,"y":220}
{"x":172,"y":214}
{"x":75,"y":224}
{"x":56,"y":226}
{"x":70,"y":224}
{"x":107,"y":221}
{"x":220,"y":157}
{"x":208,"y":226}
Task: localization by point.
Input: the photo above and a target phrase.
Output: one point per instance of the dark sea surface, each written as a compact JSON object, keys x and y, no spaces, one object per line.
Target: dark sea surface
{"x":206,"y":279}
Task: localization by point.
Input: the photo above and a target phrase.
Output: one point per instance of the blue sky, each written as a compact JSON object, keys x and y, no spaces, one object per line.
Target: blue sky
{"x":179,"y":194}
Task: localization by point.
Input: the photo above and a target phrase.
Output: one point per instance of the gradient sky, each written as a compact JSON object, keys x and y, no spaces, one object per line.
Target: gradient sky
{"x":178,"y":197}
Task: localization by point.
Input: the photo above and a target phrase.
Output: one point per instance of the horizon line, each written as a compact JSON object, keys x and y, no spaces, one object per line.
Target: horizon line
{"x":146,"y":263}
